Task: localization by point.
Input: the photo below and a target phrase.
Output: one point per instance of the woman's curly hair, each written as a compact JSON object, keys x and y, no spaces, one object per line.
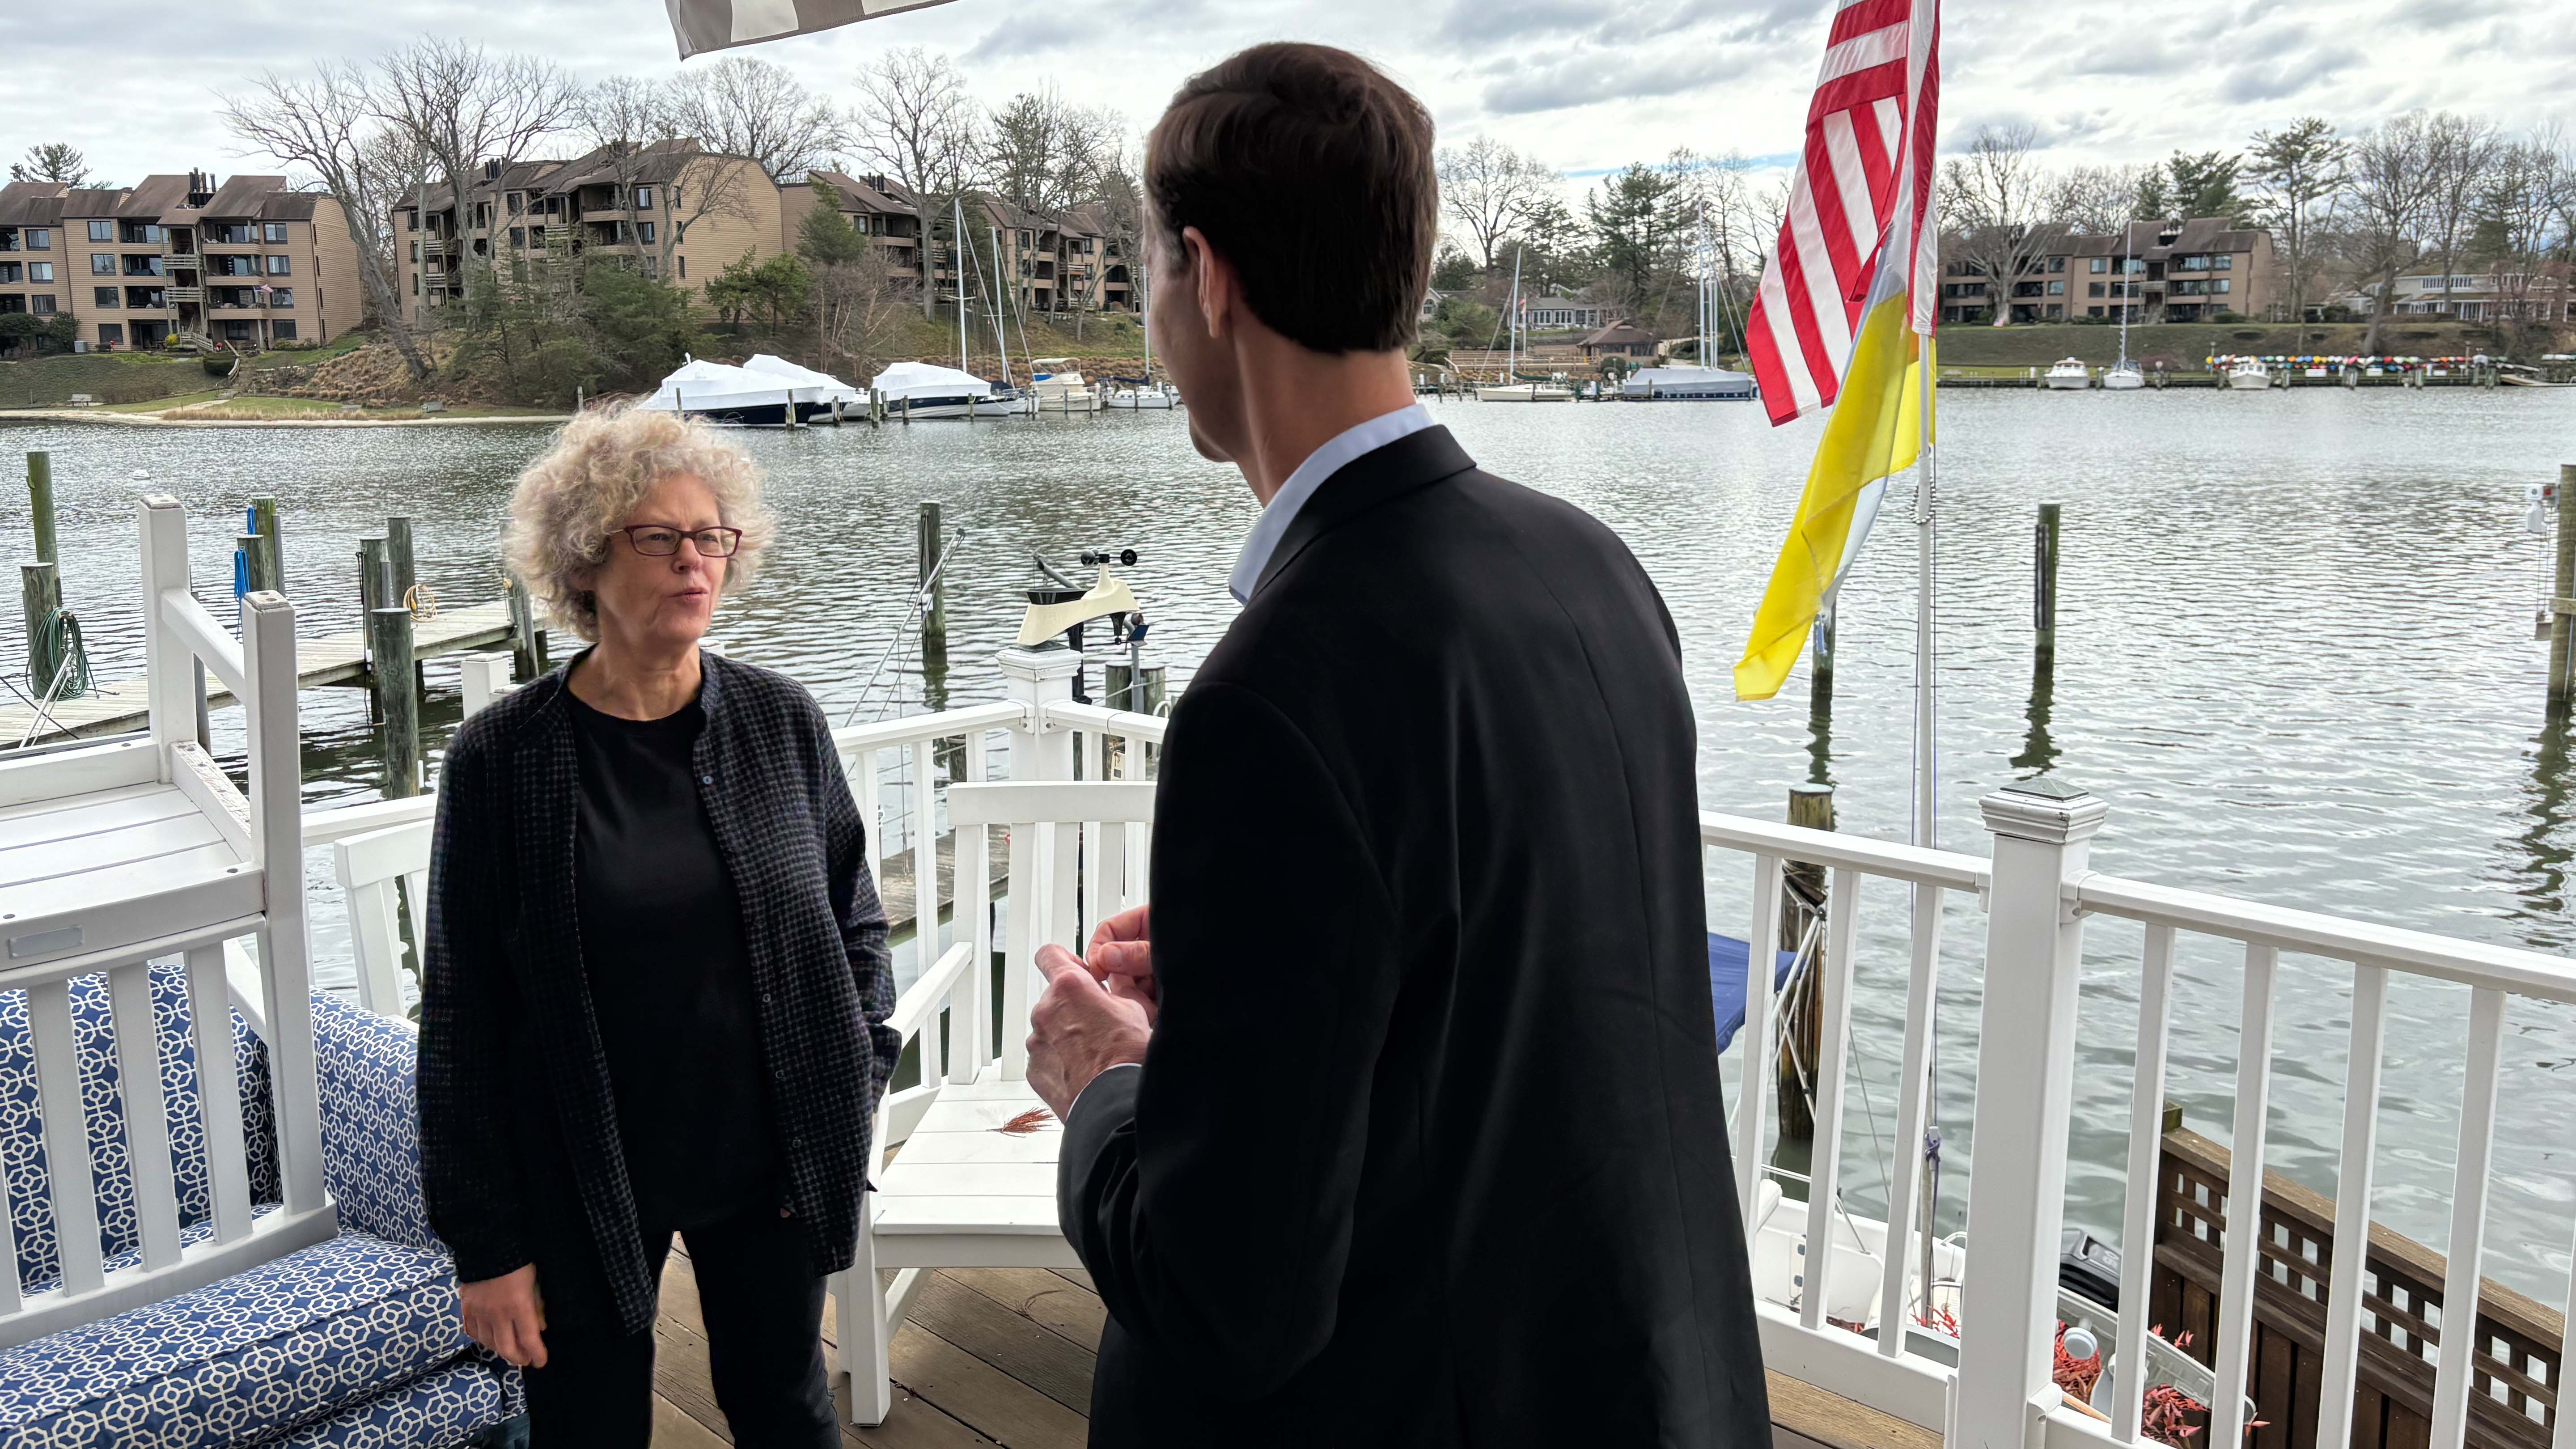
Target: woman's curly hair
{"x":602,"y":464}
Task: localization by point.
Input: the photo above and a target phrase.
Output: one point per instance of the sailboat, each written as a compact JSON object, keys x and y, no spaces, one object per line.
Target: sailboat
{"x":1514,"y":391}
{"x":2124,"y":375}
{"x":1148,"y":395}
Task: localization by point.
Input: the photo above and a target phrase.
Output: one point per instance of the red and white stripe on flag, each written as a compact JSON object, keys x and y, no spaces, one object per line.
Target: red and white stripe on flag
{"x":1869,"y":128}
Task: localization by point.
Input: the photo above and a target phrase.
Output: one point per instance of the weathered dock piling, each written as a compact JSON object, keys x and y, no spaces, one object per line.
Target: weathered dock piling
{"x":40,"y":503}
{"x":405,"y":565}
{"x":397,"y":702}
{"x":1802,"y":902}
{"x":2562,"y":594}
{"x":929,"y":542}
{"x":269,"y":560}
{"x":527,"y":646}
{"x":40,"y":595}
{"x":2043,"y":570}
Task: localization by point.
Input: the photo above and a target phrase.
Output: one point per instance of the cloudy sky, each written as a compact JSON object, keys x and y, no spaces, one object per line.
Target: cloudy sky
{"x":1586,"y":85}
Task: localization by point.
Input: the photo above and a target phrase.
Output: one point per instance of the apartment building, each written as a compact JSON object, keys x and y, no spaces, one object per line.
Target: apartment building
{"x":672,"y":209}
{"x":247,"y":263}
{"x":1049,"y":263}
{"x":2161,"y":271}
{"x":875,"y":207}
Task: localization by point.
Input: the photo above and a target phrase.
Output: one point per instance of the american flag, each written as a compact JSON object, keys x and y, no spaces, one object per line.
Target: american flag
{"x":1863,"y":185}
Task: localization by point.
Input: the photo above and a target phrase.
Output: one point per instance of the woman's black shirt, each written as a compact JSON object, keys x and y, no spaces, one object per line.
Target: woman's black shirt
{"x":670,"y":980}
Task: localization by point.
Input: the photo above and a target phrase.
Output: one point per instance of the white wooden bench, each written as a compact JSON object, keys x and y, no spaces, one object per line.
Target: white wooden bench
{"x":974,"y":1186}
{"x":117,"y":854}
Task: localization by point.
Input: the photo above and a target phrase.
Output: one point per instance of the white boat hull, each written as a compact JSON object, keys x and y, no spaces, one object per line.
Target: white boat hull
{"x":2249,"y":381}
{"x":1142,"y":401}
{"x":1525,"y":392}
{"x":2068,"y":382}
{"x":2118,"y":381}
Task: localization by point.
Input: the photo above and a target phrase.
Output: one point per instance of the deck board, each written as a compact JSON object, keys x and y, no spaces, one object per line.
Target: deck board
{"x":1004,"y":1356}
{"x":327,"y":659}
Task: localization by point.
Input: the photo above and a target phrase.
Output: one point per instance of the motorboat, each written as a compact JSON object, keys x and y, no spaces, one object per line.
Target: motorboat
{"x":2069,"y":375}
{"x":925,"y":390}
{"x":2248,"y":374}
{"x":816,"y":394}
{"x":1524,"y":392}
{"x":1061,"y":389}
{"x":1143,"y":398}
{"x":730,"y":396}
{"x":1687,"y":384}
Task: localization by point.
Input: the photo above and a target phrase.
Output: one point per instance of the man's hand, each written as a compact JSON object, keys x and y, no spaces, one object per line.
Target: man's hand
{"x":1078,"y":1030}
{"x":1122,"y":959}
{"x":507,"y":1316}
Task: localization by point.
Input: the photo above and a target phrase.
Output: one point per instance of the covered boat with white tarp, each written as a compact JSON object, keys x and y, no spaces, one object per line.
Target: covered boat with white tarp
{"x":928,"y":390}
{"x":818,"y":394}
{"x":1687,"y":384}
{"x":722,"y":393}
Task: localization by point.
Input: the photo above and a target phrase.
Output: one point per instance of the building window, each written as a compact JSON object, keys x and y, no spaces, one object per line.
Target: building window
{"x":40,"y":271}
{"x":517,"y":202}
{"x":2101,"y":264}
{"x":102,"y":264}
{"x":281,"y":296}
{"x":111,"y":334}
{"x":102,"y":231}
{"x":40,"y":238}
{"x":103,"y":297}
{"x":415,"y":284}
{"x":676,"y":203}
{"x":2093,"y":311}
{"x":282,"y":330}
{"x":518,"y":238}
{"x":411,"y":221}
{"x":41,"y":304}
{"x":684,"y":268}
{"x":277,"y":266}
{"x":2057,"y":289}
{"x":2057,"y":264}
{"x":12,"y":272}
{"x":2219,"y":286}
{"x":644,"y":232}
{"x":652,"y":265}
{"x":274,"y":231}
{"x":2056,"y":309}
{"x":2094,"y":289}
{"x":643,"y":198}
{"x":2226,"y":262}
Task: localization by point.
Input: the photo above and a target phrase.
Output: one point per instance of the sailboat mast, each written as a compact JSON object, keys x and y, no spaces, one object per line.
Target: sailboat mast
{"x":1512,"y":348}
{"x":2127,"y":240}
{"x":957,"y":269}
{"x":1001,"y":333}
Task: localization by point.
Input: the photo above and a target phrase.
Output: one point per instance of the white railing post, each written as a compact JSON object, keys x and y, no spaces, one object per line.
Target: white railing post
{"x":1034,"y":679}
{"x":2025,"y":1084}
{"x":170,"y":683}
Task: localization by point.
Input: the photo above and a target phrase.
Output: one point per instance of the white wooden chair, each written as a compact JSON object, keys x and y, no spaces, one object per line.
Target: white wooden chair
{"x":974,"y":1183}
{"x":116,"y":854}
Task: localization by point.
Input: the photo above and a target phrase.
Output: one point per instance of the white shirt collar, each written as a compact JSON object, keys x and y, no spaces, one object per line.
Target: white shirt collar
{"x":1324,"y":462}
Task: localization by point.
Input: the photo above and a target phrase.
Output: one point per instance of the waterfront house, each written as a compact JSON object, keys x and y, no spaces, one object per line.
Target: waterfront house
{"x":2544,"y":294}
{"x":1562,"y":312}
{"x":2161,"y":271}
{"x":1619,"y":339}
{"x":247,"y":263}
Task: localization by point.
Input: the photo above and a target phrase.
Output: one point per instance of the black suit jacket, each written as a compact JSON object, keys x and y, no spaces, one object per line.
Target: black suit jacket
{"x":1429,"y":1147}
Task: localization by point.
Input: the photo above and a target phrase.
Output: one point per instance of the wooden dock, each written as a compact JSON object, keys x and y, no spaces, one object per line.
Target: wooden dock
{"x":1003,"y":1356}
{"x":331,"y":659}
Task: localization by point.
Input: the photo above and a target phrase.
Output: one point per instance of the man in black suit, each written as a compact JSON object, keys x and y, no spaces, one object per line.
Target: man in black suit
{"x":1400,"y":1124}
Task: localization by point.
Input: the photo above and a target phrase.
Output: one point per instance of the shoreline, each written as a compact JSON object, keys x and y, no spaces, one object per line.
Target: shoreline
{"x":156,"y":420}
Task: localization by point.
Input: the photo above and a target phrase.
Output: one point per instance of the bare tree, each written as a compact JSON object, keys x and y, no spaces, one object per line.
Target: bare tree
{"x":2520,"y":215}
{"x":1999,"y":205}
{"x":643,"y":136}
{"x":2391,"y":190}
{"x":325,"y":124}
{"x":745,"y":107}
{"x":1048,"y":155}
{"x":918,"y":123}
{"x":2298,"y":174}
{"x":465,"y":107}
{"x":54,"y":161}
{"x":2460,"y":150}
{"x":1489,"y":189}
{"x":2095,"y":200}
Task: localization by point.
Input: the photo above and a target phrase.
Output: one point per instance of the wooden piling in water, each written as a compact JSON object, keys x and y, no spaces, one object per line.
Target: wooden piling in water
{"x":2043,"y":568}
{"x":259,"y":564}
{"x":527,"y":655}
{"x":928,"y":540}
{"x":398,"y":553}
{"x":40,"y":595}
{"x":268,"y":561}
{"x":2562,"y":599}
{"x":1820,"y":659}
{"x":1802,"y":890}
{"x":40,"y":503}
{"x":397,"y":701}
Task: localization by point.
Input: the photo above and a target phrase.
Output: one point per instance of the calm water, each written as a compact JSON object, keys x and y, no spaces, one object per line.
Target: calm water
{"x":2294,"y":655}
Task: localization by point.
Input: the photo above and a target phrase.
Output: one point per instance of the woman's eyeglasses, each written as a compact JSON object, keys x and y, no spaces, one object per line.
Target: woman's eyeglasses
{"x":654,"y":540}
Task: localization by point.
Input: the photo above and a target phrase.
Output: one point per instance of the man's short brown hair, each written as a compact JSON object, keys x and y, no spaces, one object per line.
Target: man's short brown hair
{"x":1310,"y":172}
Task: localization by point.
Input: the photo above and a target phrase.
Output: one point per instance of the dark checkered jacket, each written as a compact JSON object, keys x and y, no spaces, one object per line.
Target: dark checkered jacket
{"x":519,"y":1148}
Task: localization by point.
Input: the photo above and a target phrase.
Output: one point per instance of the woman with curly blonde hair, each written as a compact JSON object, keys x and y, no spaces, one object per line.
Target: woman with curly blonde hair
{"x":656,"y":976}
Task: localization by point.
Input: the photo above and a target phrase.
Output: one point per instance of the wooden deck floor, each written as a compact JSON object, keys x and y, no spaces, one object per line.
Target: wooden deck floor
{"x":1002,"y":1356}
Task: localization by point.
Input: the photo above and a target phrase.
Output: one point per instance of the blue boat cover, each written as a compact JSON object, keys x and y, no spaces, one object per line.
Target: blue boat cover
{"x":1727,"y":957}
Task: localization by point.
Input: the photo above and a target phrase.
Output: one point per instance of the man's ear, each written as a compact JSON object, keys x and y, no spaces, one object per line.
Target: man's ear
{"x":1212,"y":280}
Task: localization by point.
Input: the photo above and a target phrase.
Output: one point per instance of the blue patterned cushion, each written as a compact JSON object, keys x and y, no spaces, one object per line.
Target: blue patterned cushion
{"x":22,"y":1154}
{"x":282,"y":1347}
{"x":445,"y":1408}
{"x":370,"y":1121}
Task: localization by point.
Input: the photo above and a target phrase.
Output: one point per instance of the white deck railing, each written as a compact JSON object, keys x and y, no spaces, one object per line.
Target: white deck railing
{"x":2038,"y":895}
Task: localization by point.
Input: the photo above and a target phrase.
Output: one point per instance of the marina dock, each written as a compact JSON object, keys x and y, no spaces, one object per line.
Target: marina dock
{"x":328,"y":660}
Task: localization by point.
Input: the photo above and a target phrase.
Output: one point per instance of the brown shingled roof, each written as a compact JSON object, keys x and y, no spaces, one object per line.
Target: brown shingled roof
{"x":154,"y":195}
{"x":88,"y":201}
{"x":32,"y":203}
{"x":242,"y":196}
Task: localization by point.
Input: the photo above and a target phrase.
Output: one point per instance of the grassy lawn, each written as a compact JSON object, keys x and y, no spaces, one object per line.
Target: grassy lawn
{"x":296,"y":409}
{"x":163,"y":404}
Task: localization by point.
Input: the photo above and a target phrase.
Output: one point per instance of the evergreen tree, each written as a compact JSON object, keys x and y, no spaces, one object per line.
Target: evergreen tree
{"x":1633,"y":223}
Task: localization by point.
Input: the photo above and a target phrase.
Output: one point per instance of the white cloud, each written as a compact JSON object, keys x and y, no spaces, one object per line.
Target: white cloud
{"x":1586,"y":85}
